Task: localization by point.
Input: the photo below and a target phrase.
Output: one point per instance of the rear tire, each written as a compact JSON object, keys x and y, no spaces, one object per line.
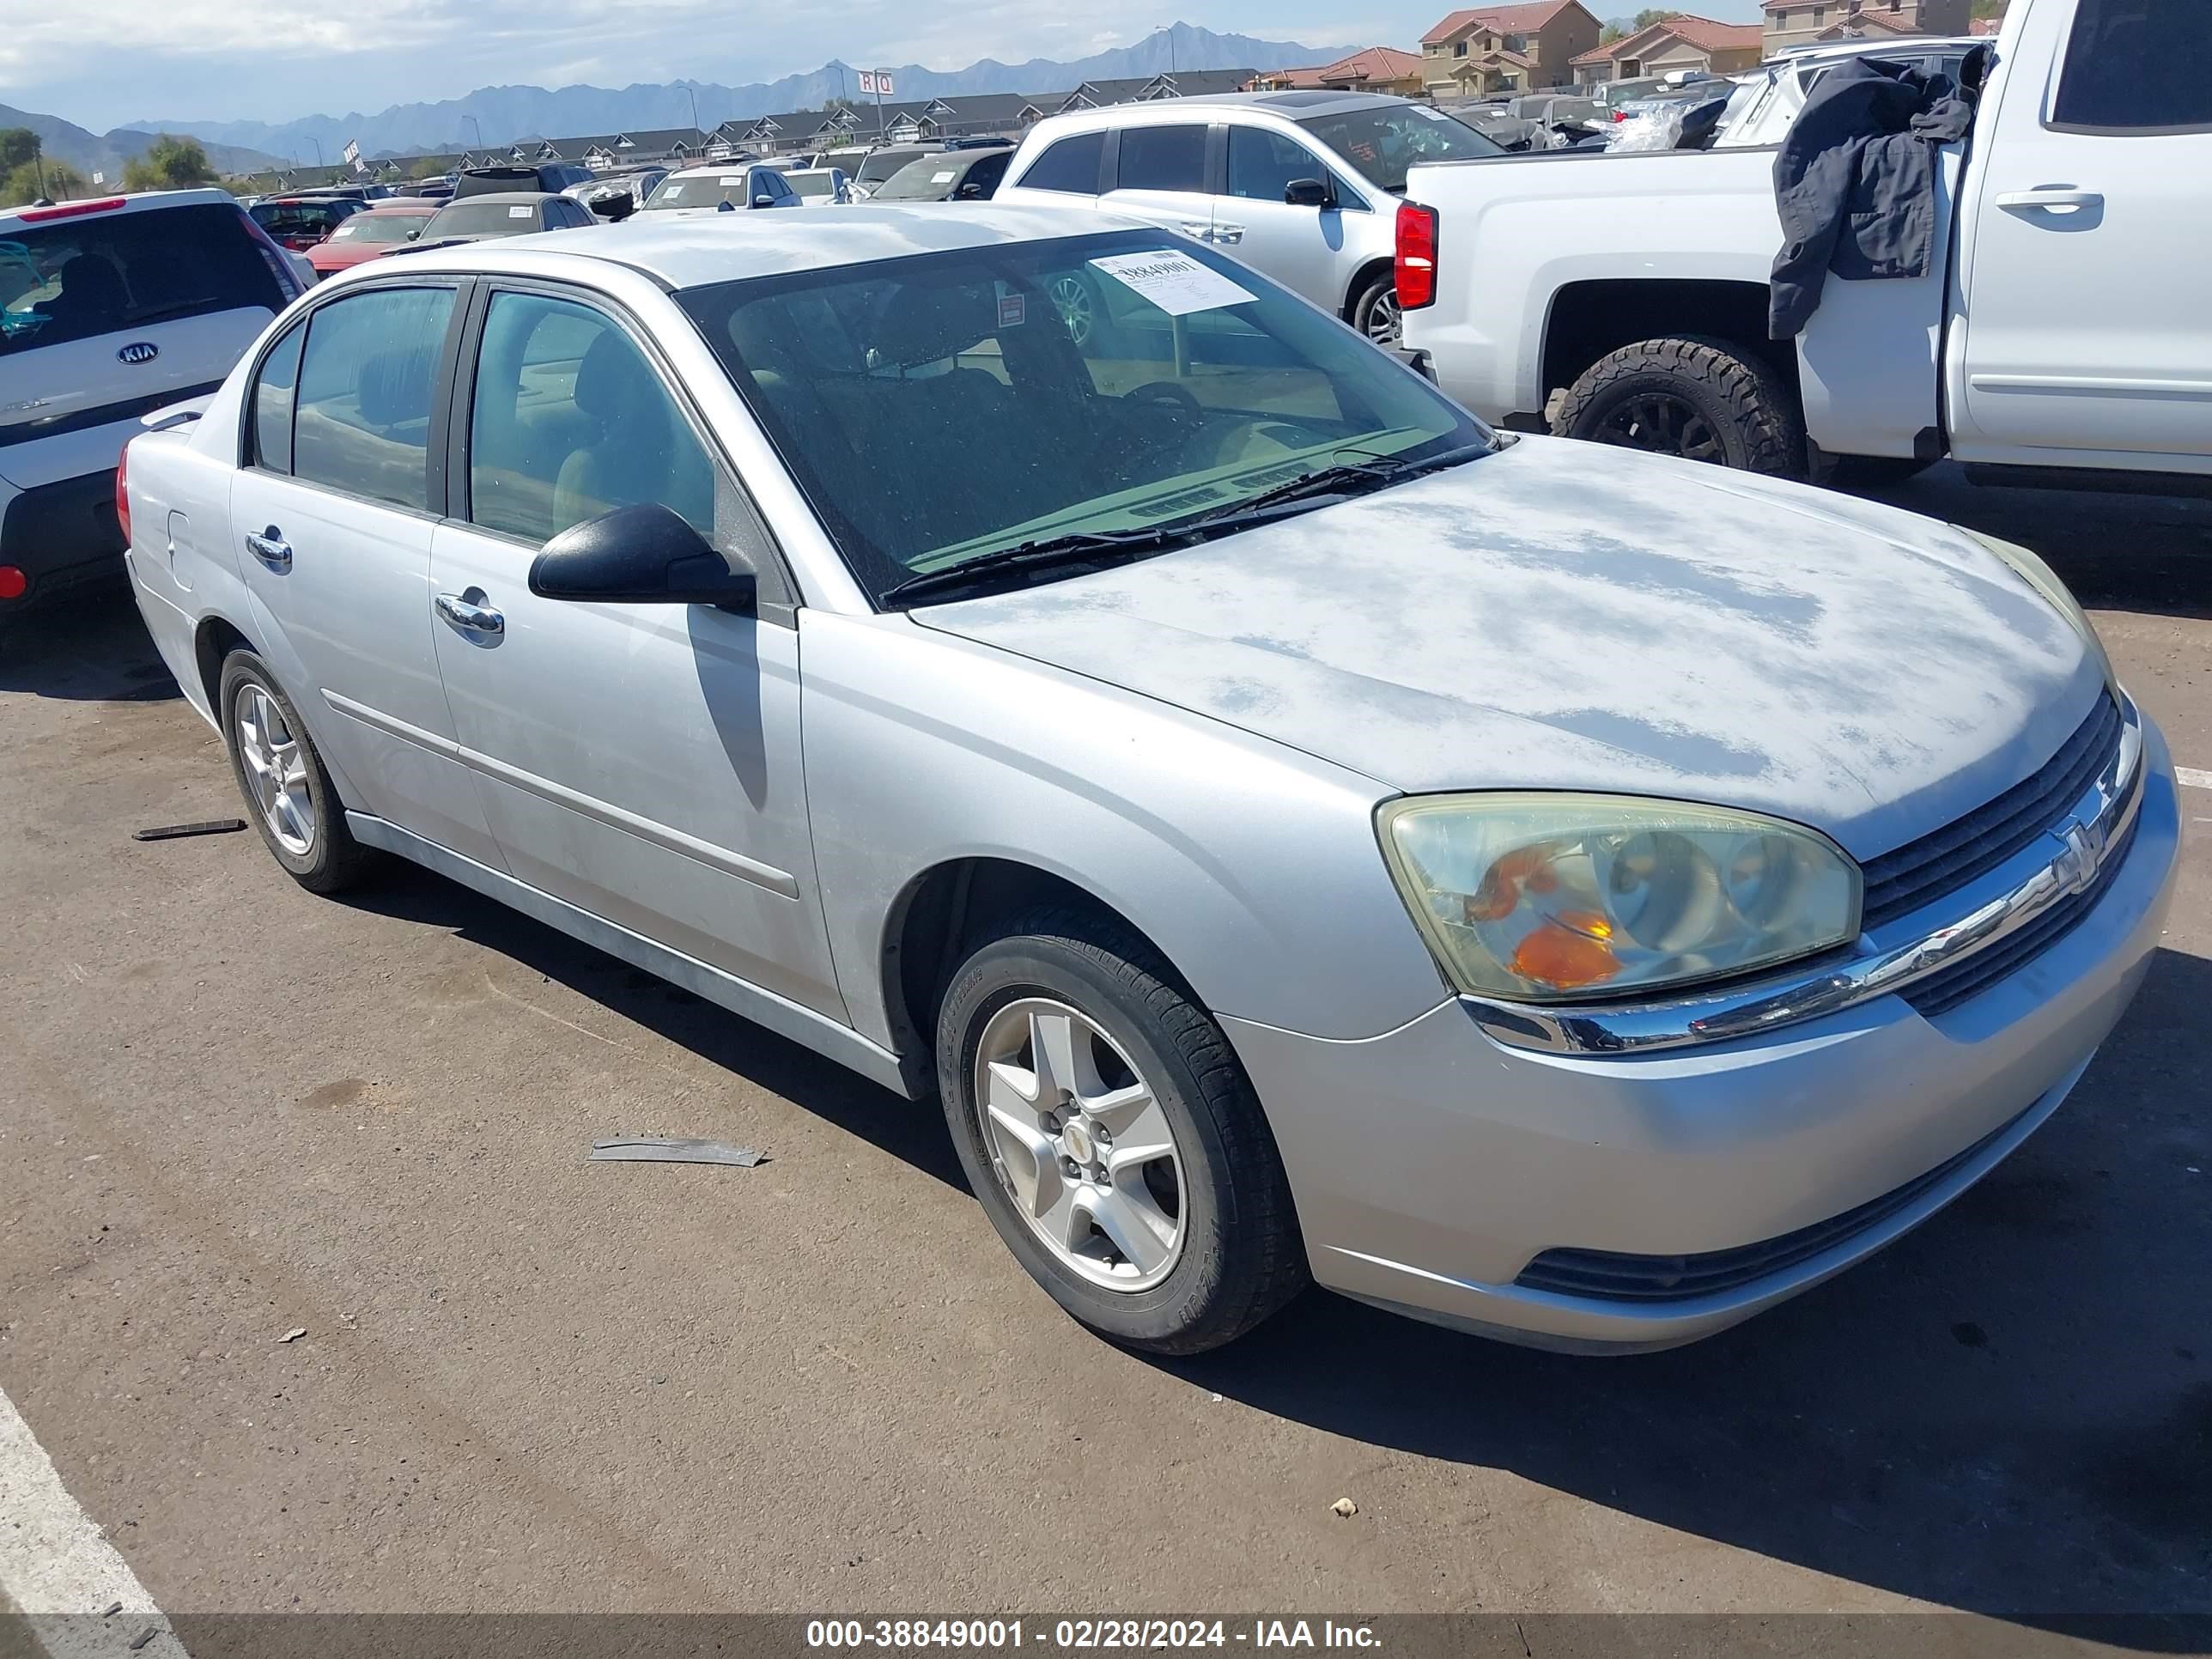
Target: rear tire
{"x":1375,"y":314}
{"x":1699,"y":399}
{"x":1065,"y":1186}
{"x":288,"y":794}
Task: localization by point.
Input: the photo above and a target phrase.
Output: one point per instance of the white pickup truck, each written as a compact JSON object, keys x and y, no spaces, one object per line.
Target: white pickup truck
{"x":2066,"y":339}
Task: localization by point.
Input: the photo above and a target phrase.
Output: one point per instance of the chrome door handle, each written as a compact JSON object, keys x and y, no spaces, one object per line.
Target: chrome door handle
{"x":469,"y":616}
{"x":1228,"y":233}
{"x":2052,"y":196}
{"x":1199,"y":233}
{"x":270,"y":548}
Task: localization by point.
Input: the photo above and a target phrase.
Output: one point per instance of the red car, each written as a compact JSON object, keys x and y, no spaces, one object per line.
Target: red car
{"x":364,"y":236}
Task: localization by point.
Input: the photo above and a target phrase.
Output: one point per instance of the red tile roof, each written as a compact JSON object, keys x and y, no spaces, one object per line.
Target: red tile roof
{"x":1506,"y":20}
{"x":1704,"y":32}
{"x":1374,"y":63}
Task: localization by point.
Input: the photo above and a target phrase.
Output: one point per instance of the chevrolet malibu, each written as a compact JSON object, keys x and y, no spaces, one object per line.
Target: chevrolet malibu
{"x":1298,"y":832}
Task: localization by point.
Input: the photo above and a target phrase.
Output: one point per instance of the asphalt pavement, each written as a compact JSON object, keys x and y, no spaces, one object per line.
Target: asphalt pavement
{"x":230,"y":1111}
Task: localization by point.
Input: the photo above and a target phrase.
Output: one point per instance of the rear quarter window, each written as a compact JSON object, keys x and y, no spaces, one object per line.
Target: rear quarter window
{"x":73,"y":279}
{"x":1070,"y":166}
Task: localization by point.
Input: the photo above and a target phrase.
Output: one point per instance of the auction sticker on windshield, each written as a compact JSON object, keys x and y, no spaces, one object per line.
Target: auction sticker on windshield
{"x":1175,"y":282}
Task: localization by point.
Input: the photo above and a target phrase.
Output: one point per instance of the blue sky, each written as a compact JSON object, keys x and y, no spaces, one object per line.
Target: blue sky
{"x":128,"y":60}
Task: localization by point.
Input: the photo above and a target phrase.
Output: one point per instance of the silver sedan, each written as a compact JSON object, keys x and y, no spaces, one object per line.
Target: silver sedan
{"x":1299,"y":833}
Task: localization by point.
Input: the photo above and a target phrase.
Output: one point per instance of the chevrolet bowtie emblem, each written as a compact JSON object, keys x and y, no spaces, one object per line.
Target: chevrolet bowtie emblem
{"x":2075,"y":866}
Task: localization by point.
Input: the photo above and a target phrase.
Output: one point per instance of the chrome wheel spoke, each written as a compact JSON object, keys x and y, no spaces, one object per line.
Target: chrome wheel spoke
{"x":1140,"y":1233}
{"x":276,"y":763}
{"x":1080,"y":1141}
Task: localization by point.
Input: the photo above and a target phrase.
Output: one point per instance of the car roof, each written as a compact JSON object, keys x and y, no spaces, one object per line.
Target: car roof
{"x":682,"y":252}
{"x":501,"y":199}
{"x":1295,"y":105}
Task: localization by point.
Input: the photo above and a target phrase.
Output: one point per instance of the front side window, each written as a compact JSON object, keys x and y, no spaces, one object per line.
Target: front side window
{"x":274,"y":389}
{"x":1162,"y":158}
{"x":1384,"y":140}
{"x":570,"y":420}
{"x":1070,"y":166}
{"x":942,"y":408}
{"x":366,"y":380}
{"x":1261,"y":164}
{"x":2137,"y":64}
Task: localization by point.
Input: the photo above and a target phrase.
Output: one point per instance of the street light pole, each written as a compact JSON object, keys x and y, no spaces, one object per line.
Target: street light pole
{"x":478,"y":125}
{"x":1168,"y":29}
{"x":694,"y":97}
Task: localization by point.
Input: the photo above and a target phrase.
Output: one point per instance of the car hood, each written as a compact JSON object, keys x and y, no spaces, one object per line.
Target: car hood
{"x":1564,"y":616}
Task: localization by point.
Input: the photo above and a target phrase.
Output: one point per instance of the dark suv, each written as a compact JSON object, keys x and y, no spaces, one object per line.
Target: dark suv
{"x":550,"y":177}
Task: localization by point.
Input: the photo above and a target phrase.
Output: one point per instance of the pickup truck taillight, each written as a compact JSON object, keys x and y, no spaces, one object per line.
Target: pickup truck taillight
{"x":123,"y":493}
{"x":1417,"y":255}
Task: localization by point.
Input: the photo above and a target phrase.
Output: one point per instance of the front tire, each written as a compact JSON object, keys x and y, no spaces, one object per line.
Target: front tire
{"x":1112,"y":1137}
{"x":288,"y":789}
{"x":1697,"y":399}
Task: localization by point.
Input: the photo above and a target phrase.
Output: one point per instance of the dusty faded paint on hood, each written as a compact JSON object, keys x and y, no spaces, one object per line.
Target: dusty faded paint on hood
{"x":1564,"y":616}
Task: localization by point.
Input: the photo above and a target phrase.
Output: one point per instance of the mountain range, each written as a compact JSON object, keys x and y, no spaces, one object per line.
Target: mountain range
{"x":109,"y":153}
{"x":499,"y":115}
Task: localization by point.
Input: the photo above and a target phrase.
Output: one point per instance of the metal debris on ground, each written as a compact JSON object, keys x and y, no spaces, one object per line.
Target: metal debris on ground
{"x":143,"y":1637}
{"x":1345,"y":1508}
{"x":173,"y":831}
{"x":666,"y":1149}
{"x":294,"y":1335}
{"x":111,"y":1609}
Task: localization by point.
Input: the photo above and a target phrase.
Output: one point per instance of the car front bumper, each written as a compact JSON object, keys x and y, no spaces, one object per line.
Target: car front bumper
{"x":1434,"y":1164}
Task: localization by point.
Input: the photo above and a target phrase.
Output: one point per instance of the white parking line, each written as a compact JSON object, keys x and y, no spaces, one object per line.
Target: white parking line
{"x":2192,"y":779}
{"x":53,"y":1560}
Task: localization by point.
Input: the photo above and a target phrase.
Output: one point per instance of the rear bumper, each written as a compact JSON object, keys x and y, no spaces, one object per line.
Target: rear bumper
{"x":1631,"y":1201}
{"x":61,"y":535}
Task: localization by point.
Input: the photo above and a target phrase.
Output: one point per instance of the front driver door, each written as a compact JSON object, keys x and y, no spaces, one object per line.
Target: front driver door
{"x":640,"y":762}
{"x":1301,"y":247}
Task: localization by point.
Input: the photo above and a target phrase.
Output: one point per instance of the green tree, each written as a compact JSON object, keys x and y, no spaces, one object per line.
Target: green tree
{"x":17,"y":146}
{"x":1612,"y":32}
{"x":169,"y":163}
{"x":20,"y":184}
{"x":1651,"y":15}
{"x":429,"y":166}
{"x":1989,"y":9}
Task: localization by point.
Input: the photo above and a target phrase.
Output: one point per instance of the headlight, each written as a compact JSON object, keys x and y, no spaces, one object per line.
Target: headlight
{"x":1547,"y":898}
{"x":2031,"y":569}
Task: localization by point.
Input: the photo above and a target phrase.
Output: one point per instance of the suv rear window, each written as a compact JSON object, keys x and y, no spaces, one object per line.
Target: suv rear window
{"x":74,"y":278}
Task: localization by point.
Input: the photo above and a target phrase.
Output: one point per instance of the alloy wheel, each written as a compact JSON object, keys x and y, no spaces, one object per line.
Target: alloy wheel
{"x":1386,"y":322}
{"x":1665,"y":425}
{"x":1080,"y":1141}
{"x":1072,"y":299}
{"x":276,"y":769}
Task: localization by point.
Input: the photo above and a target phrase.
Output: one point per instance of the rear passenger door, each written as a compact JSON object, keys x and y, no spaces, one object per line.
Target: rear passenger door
{"x":1158,"y":173}
{"x":332,"y":513}
{"x":640,"y":762}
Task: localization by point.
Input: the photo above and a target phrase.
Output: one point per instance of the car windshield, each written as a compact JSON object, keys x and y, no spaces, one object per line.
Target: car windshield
{"x":811,"y":185}
{"x":300,"y":218}
{"x":379,"y":227}
{"x":483,"y":218}
{"x":1383,"y":140}
{"x":939,"y":408}
{"x":882,"y":163}
{"x":932,"y":178}
{"x":698,"y":190}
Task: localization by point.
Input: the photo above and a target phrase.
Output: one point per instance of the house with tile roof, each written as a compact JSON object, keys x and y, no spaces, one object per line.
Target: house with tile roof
{"x":1814,"y":22}
{"x":1681,"y":42}
{"x":1516,"y":48}
{"x":1374,"y":69}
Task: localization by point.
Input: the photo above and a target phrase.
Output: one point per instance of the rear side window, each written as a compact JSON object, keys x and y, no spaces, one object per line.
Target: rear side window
{"x":365,"y":380}
{"x":73,"y":279}
{"x":1071,"y":166}
{"x":2137,"y":65}
{"x":1162,"y":158}
{"x":273,"y":392}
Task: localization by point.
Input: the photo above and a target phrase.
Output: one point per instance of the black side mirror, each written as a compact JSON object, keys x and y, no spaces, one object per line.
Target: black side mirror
{"x":642,"y":555}
{"x":763,"y":200}
{"x":1310,"y":192}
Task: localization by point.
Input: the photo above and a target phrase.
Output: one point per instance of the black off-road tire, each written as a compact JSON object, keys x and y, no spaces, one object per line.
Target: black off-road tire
{"x":334,"y":861}
{"x":1753,"y":417}
{"x":1243,"y":1257}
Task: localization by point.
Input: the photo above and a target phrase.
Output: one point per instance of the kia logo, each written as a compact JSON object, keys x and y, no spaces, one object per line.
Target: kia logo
{"x":138,"y":351}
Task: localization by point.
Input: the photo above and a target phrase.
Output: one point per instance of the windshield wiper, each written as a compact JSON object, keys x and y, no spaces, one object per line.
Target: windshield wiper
{"x":1087,"y":547}
{"x":1338,"y":480}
